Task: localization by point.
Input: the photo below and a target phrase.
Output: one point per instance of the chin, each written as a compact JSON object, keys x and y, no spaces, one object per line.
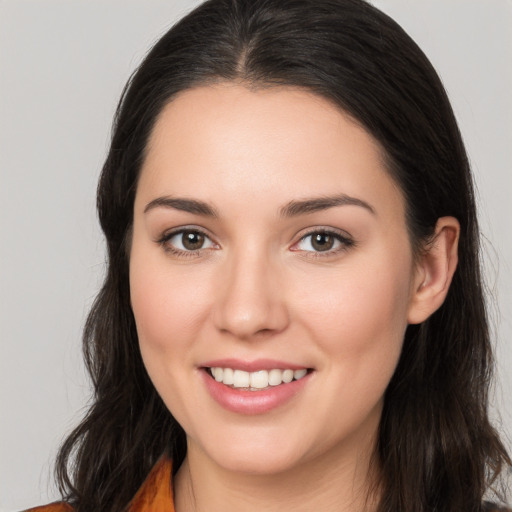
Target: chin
{"x":269,"y":462}
{"x":255,"y":454}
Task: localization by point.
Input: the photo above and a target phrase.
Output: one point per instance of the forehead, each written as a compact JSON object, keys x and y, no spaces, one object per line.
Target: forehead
{"x":275,"y":142}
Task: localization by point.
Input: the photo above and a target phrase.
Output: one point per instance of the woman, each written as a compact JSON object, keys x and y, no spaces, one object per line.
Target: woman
{"x":293,"y":312}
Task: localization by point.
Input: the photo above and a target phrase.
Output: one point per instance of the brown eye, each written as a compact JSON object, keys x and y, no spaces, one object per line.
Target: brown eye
{"x":192,"y":240}
{"x":322,"y":241}
{"x":186,"y":240}
{"x":328,"y":242}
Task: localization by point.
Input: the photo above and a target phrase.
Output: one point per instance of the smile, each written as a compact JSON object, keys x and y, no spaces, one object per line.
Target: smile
{"x":256,"y":387}
{"x":255,"y":381}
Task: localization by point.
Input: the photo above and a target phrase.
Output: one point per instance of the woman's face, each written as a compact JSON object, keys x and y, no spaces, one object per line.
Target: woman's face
{"x":267,"y":237}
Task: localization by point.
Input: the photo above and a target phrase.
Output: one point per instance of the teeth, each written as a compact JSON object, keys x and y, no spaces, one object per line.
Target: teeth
{"x":240,"y":379}
{"x":259,"y":380}
{"x":298,"y":374}
{"x":228,"y":377}
{"x":275,"y":377}
{"x":256,"y":380}
{"x":287,"y":376}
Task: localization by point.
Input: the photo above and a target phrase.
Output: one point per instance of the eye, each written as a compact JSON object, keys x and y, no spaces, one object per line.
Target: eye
{"x":186,"y":240}
{"x":323,"y":241}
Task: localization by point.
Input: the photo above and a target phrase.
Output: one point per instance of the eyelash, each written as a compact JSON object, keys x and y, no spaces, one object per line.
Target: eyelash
{"x":166,"y":237}
{"x":345,"y":242}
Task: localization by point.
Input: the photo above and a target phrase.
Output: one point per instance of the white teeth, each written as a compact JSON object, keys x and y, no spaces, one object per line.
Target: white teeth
{"x":287,"y":376}
{"x":256,"y":380}
{"x":275,"y":377}
{"x":259,"y":380}
{"x":240,"y":379}
{"x":228,"y":376}
{"x":298,"y":374}
{"x":218,"y":374}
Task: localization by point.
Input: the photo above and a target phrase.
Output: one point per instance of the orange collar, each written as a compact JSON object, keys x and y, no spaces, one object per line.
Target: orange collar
{"x":155,"y":494}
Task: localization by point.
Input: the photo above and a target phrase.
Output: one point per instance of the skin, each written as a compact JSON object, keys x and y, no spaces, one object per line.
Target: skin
{"x":258,"y":289}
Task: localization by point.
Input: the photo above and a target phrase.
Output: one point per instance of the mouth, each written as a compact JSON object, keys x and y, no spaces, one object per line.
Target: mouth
{"x":259,"y":380}
{"x":255,"y":387}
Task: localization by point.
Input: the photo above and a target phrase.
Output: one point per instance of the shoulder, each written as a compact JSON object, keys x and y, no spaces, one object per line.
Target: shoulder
{"x":154,"y":495}
{"x":59,"y":506}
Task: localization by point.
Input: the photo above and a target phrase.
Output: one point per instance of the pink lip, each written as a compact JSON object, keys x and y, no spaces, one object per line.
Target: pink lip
{"x":252,"y":402}
{"x":251,"y":366}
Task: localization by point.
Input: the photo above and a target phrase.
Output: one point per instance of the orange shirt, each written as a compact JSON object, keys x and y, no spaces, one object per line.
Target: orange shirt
{"x":155,"y":494}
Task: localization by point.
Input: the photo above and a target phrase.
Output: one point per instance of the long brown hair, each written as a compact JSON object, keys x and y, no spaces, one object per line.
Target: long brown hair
{"x":436,"y":448}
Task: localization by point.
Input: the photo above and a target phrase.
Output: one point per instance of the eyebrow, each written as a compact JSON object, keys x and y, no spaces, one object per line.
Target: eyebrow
{"x":292,"y":209}
{"x":185,"y":205}
{"x":305,"y":206}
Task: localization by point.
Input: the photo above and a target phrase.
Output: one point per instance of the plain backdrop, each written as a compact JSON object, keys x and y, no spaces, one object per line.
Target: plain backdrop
{"x":63,"y":64}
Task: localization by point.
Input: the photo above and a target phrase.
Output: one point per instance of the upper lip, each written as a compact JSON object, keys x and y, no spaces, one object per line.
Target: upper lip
{"x":252,"y":366}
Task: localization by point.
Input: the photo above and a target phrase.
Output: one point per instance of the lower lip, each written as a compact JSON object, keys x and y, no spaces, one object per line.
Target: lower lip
{"x":252,"y":402}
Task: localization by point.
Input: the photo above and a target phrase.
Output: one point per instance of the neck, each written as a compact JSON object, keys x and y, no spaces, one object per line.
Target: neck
{"x":335,"y":482}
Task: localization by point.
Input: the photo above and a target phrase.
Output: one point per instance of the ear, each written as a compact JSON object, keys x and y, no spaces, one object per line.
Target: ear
{"x":434,"y":270}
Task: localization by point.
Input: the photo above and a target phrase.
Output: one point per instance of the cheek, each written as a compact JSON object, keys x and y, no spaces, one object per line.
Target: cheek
{"x":359,"y":318}
{"x":168,"y":306}
{"x":359,"y":326}
{"x":169,"y":313}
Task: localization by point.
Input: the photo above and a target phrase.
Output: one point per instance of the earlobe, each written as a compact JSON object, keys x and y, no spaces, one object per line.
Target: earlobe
{"x":434,"y":270}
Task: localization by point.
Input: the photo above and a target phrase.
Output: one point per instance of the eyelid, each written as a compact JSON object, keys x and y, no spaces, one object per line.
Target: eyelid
{"x":166,"y":236}
{"x":345,"y":240}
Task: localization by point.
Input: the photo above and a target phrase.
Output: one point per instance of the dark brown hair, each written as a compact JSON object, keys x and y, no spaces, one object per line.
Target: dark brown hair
{"x":436,"y":448}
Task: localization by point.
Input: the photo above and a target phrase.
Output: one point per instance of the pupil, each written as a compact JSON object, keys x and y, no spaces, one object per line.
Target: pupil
{"x":192,"y":240}
{"x":322,"y":241}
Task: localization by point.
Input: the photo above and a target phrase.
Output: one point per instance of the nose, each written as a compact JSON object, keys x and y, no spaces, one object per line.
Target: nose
{"x":251,"y":302}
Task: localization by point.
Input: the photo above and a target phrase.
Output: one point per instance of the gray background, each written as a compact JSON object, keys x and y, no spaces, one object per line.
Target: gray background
{"x":62,"y":67}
